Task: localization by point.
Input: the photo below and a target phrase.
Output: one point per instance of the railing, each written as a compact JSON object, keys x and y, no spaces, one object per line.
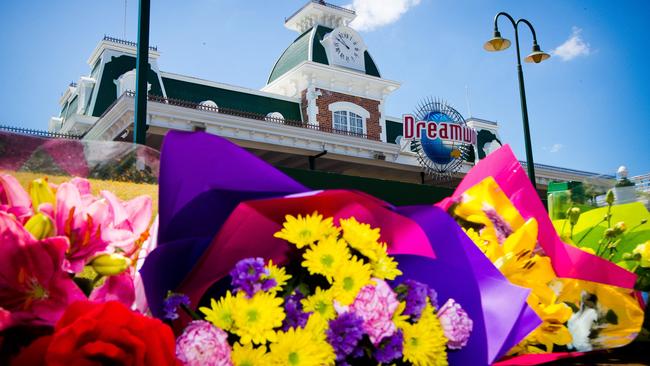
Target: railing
{"x":126,"y":43}
{"x":570,"y":171}
{"x":39,"y":133}
{"x":73,"y":84}
{"x":249,"y":115}
{"x":350,"y":11}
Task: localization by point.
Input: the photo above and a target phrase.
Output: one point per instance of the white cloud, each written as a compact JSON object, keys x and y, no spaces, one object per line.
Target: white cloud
{"x":573,"y":47}
{"x":372,"y":14}
{"x":555,"y":148}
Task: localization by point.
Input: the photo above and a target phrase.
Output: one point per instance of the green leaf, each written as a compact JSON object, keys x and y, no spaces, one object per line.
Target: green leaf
{"x":85,"y":284}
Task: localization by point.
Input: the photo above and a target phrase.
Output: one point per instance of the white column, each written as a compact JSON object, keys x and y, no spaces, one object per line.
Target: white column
{"x":382,"y":119}
{"x":312,"y":95}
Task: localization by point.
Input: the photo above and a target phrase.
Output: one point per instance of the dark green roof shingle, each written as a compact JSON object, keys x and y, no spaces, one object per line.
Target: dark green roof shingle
{"x":230,"y":99}
{"x":298,"y":51}
{"x":113,"y":69}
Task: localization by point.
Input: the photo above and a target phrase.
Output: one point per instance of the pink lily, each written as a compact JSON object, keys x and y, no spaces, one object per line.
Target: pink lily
{"x":119,"y":288}
{"x":129,"y":223}
{"x":14,"y":199}
{"x":81,"y":218}
{"x":33,"y":288}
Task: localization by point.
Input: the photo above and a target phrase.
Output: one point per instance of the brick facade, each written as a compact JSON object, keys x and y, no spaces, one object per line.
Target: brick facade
{"x":328,"y":97}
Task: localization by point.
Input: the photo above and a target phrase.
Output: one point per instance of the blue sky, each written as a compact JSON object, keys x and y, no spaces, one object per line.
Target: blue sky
{"x":589,"y":110}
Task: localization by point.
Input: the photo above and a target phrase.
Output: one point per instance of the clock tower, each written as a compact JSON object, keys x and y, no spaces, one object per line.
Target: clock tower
{"x":330,"y":69}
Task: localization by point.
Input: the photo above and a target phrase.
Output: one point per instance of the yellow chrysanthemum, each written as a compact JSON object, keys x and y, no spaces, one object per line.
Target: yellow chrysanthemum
{"x":488,"y":244}
{"x":220,"y":313}
{"x":255,"y":318}
{"x":321,"y":302}
{"x":326,"y":257}
{"x":424,"y":342}
{"x":385,"y":267}
{"x":279,"y":274}
{"x":306,"y":230}
{"x":361,"y":237}
{"x":247,"y":355}
{"x":300,"y":347}
{"x":317,"y":325}
{"x":349,"y":279}
{"x":399,"y":319}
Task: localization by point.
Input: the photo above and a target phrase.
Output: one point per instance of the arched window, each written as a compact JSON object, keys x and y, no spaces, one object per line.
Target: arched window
{"x":274,"y":117}
{"x":348,"y":121}
{"x":349,"y":117}
{"x":208,"y":105}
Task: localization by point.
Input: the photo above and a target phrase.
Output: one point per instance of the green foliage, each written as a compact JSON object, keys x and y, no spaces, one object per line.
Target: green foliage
{"x":591,"y":228}
{"x":624,"y":182}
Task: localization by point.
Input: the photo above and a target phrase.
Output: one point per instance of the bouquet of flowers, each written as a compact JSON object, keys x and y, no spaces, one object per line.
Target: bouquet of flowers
{"x":337,"y":301}
{"x":585,"y":303}
{"x":68,"y":275}
{"x":578,"y":315}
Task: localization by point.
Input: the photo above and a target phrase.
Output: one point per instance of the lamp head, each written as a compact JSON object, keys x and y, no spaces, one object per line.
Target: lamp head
{"x":537,"y":55}
{"x":496,"y":43}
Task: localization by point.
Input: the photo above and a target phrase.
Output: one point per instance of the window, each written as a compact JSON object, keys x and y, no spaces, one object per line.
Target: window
{"x":341,"y":120}
{"x":276,"y":117}
{"x":208,"y":105}
{"x":348,"y":121}
{"x":349,"y":117}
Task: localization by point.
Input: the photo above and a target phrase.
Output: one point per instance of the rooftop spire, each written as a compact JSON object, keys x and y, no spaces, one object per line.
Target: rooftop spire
{"x":318,"y":12}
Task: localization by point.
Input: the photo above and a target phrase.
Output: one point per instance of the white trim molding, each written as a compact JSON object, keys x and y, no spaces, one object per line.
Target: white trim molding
{"x":350,"y":107}
{"x":336,"y":79}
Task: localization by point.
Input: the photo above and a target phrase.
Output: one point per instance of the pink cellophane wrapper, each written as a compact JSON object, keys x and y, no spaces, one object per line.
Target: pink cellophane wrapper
{"x":568,"y":261}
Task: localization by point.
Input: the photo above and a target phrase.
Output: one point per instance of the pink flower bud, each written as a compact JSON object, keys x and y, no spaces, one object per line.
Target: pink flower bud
{"x":456,"y":324}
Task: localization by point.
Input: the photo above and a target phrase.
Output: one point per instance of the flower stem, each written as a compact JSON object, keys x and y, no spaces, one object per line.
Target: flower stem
{"x":97,"y":279}
{"x":193,"y":314}
{"x":590,"y":229}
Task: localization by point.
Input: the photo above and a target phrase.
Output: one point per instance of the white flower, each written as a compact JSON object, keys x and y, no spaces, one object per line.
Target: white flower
{"x":580,"y":325}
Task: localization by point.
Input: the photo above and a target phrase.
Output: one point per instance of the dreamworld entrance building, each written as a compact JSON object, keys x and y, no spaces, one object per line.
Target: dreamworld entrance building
{"x":322,"y":108}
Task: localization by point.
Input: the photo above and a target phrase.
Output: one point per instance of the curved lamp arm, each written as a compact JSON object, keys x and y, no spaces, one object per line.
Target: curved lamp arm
{"x":496,"y":18}
{"x":530,"y":26}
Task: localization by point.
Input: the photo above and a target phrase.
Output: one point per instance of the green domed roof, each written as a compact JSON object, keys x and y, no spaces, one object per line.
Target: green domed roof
{"x":298,"y":52}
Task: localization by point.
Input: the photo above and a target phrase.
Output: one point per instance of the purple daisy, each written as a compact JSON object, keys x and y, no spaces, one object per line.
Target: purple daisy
{"x":415,"y":294}
{"x":295,"y":317}
{"x":433,"y":297}
{"x":247,"y":276}
{"x":390,"y":348}
{"x":344,"y":333}
{"x":172,"y":303}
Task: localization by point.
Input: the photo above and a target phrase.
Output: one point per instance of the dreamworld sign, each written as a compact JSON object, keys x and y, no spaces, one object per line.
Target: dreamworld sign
{"x":440,"y":137}
{"x":445,"y":131}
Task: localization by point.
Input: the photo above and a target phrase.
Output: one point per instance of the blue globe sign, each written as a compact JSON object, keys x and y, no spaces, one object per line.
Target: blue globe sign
{"x":440,"y":136}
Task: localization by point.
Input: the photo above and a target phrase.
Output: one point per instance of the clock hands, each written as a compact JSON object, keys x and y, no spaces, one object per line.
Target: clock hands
{"x":341,"y":40}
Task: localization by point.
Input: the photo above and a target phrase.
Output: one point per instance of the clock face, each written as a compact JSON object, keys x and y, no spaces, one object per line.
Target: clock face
{"x":347,"y":46}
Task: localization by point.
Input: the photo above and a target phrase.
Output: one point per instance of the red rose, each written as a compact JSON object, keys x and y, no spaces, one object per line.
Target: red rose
{"x":104,"y":334}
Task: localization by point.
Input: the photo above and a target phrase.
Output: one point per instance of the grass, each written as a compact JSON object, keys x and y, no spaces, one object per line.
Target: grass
{"x":123,"y":190}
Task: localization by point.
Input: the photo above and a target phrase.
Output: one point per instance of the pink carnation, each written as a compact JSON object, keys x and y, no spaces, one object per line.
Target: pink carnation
{"x":375,"y":304}
{"x":203,"y":344}
{"x":456,"y":324}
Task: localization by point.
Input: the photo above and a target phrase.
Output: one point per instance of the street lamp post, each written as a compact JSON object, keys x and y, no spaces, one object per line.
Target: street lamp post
{"x":141,"y":72}
{"x":498,"y":43}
